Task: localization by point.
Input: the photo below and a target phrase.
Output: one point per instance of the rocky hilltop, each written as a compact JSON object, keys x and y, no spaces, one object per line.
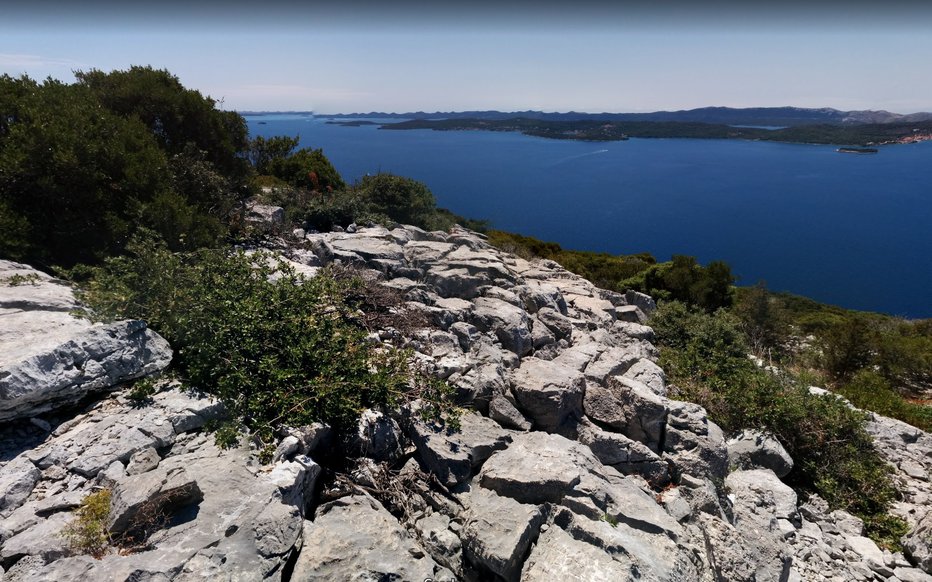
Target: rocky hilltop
{"x":570,"y":463}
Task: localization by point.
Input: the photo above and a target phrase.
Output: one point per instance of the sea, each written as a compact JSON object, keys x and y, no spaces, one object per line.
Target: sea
{"x":852,"y":230}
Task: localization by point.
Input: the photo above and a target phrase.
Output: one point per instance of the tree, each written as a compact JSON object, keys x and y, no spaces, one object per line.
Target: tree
{"x":761,"y":319}
{"x":402,"y":199}
{"x":176,"y":116}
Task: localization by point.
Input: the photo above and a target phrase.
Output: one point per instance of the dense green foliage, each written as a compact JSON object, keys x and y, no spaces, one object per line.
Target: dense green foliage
{"x":381,"y":198}
{"x":684,"y":279}
{"x":705,"y":355}
{"x":83,"y":165}
{"x":274,"y":347}
{"x":305,"y":168}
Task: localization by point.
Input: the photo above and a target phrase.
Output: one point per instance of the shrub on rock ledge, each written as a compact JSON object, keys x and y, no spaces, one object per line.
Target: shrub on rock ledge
{"x":275,"y":347}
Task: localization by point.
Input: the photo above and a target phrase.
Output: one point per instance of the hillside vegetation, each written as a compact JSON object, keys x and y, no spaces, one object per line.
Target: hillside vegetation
{"x":150,"y":184}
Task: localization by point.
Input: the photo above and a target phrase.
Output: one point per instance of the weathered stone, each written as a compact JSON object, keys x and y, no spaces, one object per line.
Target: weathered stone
{"x":142,"y":461}
{"x":443,"y":545}
{"x":650,"y":374}
{"x":754,"y":449}
{"x":630,"y":408}
{"x":627,"y":456}
{"x":510,"y":324}
{"x":452,"y":455}
{"x":497,"y":531}
{"x":630,"y":313}
{"x":266,"y":213}
{"x":693,"y":443}
{"x":95,"y":359}
{"x":377,"y":437}
{"x":296,"y":480}
{"x":354,"y":538}
{"x":43,"y":539}
{"x":918,"y":543}
{"x":557,"y":556}
{"x":17,"y":480}
{"x":560,"y":325}
{"x":503,"y":411}
{"x":611,"y":362}
{"x":138,"y":502}
{"x":550,"y":393}
{"x":644,"y":302}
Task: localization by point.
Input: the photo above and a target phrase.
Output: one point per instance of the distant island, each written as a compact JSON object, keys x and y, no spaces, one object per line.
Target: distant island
{"x":783,"y":124}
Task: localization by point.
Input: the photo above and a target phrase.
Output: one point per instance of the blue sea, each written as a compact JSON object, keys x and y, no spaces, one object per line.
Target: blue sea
{"x":850,"y":230}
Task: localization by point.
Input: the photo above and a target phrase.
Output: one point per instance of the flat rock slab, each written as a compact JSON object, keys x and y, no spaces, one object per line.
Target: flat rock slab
{"x":557,"y":556}
{"x":355,"y":538}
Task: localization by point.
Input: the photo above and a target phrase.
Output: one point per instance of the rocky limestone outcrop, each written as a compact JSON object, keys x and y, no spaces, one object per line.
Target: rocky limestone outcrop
{"x":570,"y":463}
{"x":51,"y":358}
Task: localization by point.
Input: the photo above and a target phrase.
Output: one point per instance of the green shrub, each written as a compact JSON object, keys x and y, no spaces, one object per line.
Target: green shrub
{"x":684,"y":279}
{"x":274,"y":347}
{"x":705,"y":356}
{"x":869,"y":390}
{"x":87,"y":533}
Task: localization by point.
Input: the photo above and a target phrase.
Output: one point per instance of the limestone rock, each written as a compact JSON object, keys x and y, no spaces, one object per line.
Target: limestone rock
{"x":91,"y":360}
{"x":755,"y":449}
{"x":265,"y":213}
{"x":17,"y":480}
{"x":557,"y":556}
{"x":630,"y":408}
{"x":498,"y":531}
{"x":139,"y":501}
{"x":503,"y":411}
{"x":452,"y":455}
{"x":693,"y":443}
{"x":918,"y":543}
{"x":548,"y":392}
{"x":354,"y":538}
{"x":510,"y":324}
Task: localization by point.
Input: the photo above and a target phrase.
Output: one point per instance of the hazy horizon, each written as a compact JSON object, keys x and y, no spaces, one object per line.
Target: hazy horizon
{"x":366,"y":56}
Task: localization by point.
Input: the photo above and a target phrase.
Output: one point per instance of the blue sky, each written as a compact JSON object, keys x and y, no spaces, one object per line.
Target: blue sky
{"x":558,"y":57}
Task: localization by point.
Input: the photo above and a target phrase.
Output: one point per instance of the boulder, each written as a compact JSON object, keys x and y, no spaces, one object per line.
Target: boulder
{"x":629,"y":407}
{"x":148,"y":500}
{"x":557,"y":556}
{"x":693,"y":443}
{"x":377,"y":437}
{"x":550,"y":393}
{"x":649,"y":374}
{"x":627,"y":456}
{"x":752,"y":449}
{"x":497,"y":531}
{"x":355,"y":538}
{"x":94,"y":359}
{"x":918,"y":543}
{"x":265,"y":213}
{"x":503,"y":411}
{"x":452,"y":455}
{"x":17,"y":480}
{"x":510,"y":324}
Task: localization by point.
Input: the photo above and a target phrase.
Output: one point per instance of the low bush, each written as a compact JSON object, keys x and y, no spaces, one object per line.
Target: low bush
{"x":706,"y":357}
{"x":275,"y":347}
{"x":87,"y":533}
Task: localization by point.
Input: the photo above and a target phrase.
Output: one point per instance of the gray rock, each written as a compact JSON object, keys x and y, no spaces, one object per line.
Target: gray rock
{"x":43,"y":539}
{"x":377,"y":437}
{"x":17,"y":480}
{"x":650,"y":374}
{"x":627,"y":456}
{"x":611,"y":362}
{"x":631,"y":314}
{"x":510,"y":324}
{"x":728,"y":555}
{"x":142,"y":461}
{"x":558,"y":324}
{"x":140,"y":502}
{"x":443,"y":545}
{"x":693,"y":443}
{"x":452,"y":455}
{"x":354,"y":538}
{"x":644,"y":302}
{"x":918,"y":543}
{"x":497,"y":532}
{"x":755,"y":449}
{"x":503,"y":411}
{"x":557,"y":556}
{"x":630,"y":408}
{"x":760,"y":503}
{"x":551,"y":394}
{"x":911,"y":575}
{"x":91,"y":360}
{"x":539,"y":468}
{"x":296,"y":480}
{"x":265,"y":213}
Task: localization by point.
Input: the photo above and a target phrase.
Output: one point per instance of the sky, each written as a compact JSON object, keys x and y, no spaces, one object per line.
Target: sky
{"x":583,"y":55}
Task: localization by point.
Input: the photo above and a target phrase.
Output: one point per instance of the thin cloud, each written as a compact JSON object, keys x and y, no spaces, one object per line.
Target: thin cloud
{"x":34,"y":61}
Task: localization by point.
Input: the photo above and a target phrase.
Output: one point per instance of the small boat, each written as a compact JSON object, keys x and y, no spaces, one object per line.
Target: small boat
{"x":857,"y":150}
